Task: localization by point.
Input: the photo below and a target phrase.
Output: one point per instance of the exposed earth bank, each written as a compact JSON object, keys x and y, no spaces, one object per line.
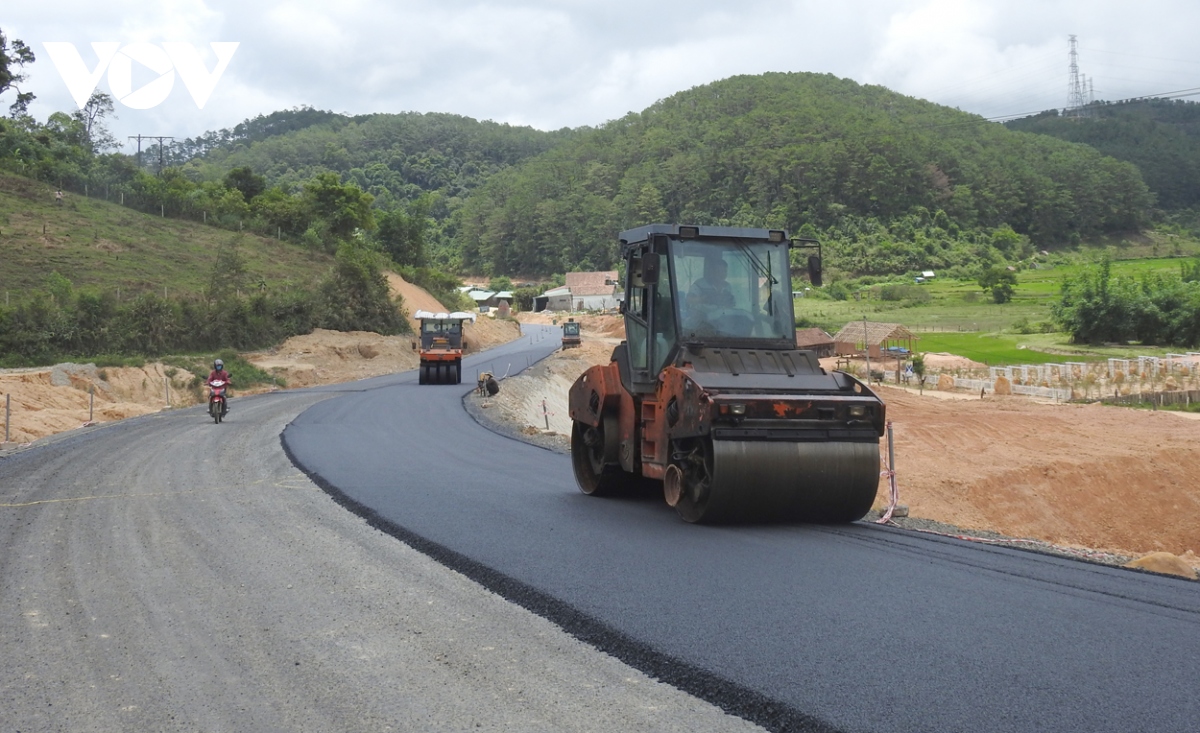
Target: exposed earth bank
{"x":1085,"y":477}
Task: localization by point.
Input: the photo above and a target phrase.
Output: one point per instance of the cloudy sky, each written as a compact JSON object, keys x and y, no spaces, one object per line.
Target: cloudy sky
{"x":565,"y":63}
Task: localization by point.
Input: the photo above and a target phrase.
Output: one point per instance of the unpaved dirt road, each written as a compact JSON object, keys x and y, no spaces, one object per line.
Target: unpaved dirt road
{"x":168,"y":574}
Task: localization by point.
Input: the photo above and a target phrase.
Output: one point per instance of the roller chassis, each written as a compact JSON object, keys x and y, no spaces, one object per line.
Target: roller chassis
{"x":440,"y":346}
{"x":736,"y":431}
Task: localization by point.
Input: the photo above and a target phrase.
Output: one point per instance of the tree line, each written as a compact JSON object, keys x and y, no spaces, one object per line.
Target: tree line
{"x":1154,"y":309}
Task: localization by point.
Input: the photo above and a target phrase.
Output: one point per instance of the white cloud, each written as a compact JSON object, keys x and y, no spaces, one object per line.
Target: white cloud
{"x":554,"y":63}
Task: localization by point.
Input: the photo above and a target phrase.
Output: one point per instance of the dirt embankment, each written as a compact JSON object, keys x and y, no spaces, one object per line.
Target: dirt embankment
{"x":327,"y":357}
{"x":1082,"y":476}
{"x":52,"y":400}
{"x":55,"y":399}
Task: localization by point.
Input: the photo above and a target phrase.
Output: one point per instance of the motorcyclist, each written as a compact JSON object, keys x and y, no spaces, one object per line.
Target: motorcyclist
{"x":218,"y":373}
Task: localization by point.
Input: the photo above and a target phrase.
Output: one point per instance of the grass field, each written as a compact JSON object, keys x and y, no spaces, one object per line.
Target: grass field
{"x":961,"y":305}
{"x":993,"y":349}
{"x":102,"y":247}
{"x":958,"y":317}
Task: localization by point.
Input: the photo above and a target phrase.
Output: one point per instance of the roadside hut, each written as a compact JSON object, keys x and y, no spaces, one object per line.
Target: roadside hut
{"x":874,"y":339}
{"x":817,"y":340}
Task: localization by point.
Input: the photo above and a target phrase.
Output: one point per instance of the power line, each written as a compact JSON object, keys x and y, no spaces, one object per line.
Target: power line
{"x":1140,"y":56}
{"x":1075,"y":102}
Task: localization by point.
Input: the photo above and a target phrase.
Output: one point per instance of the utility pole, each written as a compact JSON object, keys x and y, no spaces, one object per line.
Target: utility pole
{"x":139,"y":153}
{"x":160,"y":139}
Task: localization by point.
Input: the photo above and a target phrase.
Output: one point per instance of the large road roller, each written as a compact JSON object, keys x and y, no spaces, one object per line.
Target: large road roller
{"x":441,"y":346}
{"x":708,"y":397}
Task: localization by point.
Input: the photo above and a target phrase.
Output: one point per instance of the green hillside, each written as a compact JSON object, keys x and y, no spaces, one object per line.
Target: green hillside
{"x":101,"y":246}
{"x":891,"y":182}
{"x":94,"y":280}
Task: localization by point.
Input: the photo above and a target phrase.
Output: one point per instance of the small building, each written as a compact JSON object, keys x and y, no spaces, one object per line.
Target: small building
{"x":584,"y":291}
{"x":593,"y":291}
{"x":815,"y":339}
{"x":874,"y":339}
{"x":556,"y":299}
{"x":484,"y":299}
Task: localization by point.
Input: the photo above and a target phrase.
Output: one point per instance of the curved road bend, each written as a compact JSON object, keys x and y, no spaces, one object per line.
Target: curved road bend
{"x":855,"y":628}
{"x":168,"y":574}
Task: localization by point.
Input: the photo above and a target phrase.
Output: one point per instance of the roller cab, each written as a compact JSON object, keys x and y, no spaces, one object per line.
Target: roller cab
{"x":710,"y":402}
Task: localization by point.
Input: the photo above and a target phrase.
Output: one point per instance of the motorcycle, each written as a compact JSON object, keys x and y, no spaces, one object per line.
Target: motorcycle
{"x":216,"y":399}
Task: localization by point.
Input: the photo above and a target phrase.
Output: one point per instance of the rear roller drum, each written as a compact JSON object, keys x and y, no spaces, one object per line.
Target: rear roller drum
{"x":594,"y":457}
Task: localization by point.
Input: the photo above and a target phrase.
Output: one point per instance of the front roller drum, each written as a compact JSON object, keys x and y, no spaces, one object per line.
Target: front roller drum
{"x":729,"y":481}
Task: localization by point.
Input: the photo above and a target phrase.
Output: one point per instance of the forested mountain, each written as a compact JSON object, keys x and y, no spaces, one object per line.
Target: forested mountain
{"x":394,"y":157}
{"x":893,"y":183}
{"x":1160,"y":136}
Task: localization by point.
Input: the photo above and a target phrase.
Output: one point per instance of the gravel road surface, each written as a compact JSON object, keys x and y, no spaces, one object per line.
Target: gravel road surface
{"x":168,"y":574}
{"x":854,"y":628}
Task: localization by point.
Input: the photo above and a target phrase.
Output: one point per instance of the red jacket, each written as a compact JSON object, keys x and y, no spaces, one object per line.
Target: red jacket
{"x":222,"y":375}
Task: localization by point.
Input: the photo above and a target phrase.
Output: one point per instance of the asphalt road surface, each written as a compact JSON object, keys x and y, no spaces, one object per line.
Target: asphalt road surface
{"x":168,"y":574}
{"x":854,"y":628}
{"x":165,"y":573}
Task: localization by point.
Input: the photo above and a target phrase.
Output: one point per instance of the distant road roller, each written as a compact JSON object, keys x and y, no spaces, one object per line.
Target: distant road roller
{"x":570,"y":334}
{"x":441,"y":346}
{"x":709,"y":395}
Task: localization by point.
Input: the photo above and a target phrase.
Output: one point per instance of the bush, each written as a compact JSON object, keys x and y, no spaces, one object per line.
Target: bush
{"x":356,"y":297}
{"x":911,"y":293}
{"x":440,"y":285}
{"x":83,"y":326}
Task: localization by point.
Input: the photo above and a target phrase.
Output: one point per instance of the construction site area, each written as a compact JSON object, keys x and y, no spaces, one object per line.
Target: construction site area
{"x":1081,"y":476}
{"x":972,"y":453}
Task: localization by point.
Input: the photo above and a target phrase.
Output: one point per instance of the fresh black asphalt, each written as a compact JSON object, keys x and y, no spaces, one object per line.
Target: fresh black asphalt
{"x":854,"y":628}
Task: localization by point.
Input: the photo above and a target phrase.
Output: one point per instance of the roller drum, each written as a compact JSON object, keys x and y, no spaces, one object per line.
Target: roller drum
{"x":764,"y":481}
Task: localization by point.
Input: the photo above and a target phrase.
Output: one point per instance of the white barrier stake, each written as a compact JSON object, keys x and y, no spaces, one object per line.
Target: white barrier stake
{"x":893,"y":491}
